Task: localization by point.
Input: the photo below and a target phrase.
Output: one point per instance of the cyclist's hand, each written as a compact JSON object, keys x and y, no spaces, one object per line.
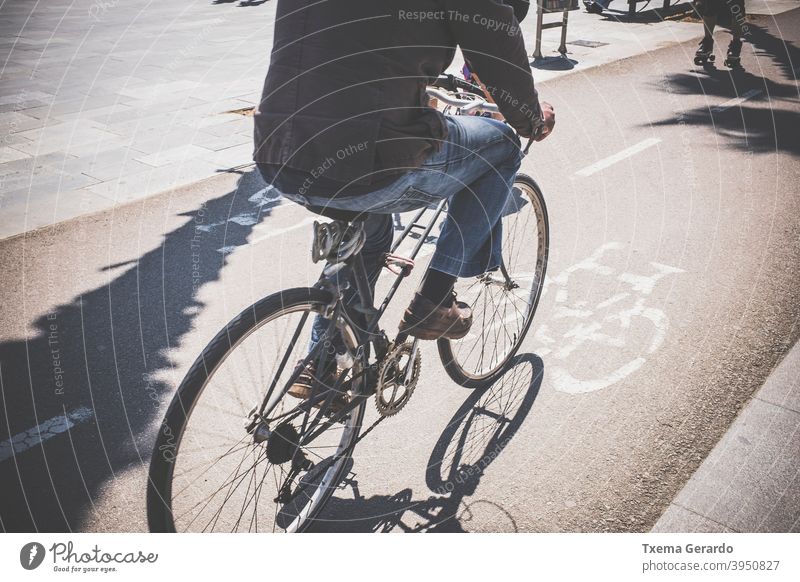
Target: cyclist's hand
{"x":496,"y":115}
{"x":549,"y":120}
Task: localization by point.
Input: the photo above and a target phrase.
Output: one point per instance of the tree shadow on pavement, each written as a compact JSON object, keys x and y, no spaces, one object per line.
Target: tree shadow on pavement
{"x":747,"y":126}
{"x":112,"y":347}
{"x":476,"y":435}
{"x":784,"y":53}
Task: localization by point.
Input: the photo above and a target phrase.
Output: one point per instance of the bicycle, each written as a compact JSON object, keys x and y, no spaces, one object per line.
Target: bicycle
{"x":231,"y":431}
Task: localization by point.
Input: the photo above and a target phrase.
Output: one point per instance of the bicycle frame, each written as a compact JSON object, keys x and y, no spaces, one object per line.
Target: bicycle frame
{"x":361,"y":275}
{"x":350,"y":310}
{"x":370,"y":335}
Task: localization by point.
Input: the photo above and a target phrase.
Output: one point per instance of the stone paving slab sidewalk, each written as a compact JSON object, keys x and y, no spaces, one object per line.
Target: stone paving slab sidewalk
{"x":105,"y":102}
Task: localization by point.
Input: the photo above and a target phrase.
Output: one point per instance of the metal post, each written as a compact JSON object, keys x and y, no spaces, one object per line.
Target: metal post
{"x":537,"y":53}
{"x":563,"y":48}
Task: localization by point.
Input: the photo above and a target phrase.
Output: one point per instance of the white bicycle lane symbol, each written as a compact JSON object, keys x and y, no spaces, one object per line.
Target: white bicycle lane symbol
{"x":575,"y":327}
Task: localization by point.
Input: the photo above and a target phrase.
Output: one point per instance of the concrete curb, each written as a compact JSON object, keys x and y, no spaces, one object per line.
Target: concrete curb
{"x":750,"y":482}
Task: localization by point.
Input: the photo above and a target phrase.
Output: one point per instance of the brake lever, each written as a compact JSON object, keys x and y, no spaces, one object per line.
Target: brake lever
{"x":531,"y":139}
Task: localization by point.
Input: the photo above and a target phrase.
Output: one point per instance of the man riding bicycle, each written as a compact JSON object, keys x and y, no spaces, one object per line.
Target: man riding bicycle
{"x":344,"y":123}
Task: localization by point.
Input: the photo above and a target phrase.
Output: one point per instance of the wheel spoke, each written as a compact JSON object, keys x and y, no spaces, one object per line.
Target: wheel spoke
{"x":221,"y":477}
{"x":503,"y":308}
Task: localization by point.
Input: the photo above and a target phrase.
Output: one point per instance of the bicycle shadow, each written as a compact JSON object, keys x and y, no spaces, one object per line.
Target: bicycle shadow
{"x":114,"y":348}
{"x":476,"y":435}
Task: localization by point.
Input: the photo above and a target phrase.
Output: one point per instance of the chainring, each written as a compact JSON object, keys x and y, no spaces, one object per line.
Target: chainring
{"x":391,"y":392}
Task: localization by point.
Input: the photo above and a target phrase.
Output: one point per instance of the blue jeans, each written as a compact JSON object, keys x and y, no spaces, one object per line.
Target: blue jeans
{"x":474,"y":170}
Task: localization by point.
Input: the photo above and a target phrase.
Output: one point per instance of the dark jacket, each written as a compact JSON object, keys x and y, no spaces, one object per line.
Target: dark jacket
{"x":345,"y":94}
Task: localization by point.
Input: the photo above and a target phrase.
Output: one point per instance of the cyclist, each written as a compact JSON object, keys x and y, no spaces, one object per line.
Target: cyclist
{"x":344,"y":123}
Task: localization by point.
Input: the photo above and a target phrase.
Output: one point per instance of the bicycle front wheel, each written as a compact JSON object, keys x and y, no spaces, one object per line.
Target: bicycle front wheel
{"x":220,"y":466}
{"x":503,"y":301}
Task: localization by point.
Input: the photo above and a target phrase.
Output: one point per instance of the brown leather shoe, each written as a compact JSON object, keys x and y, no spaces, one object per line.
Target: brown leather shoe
{"x":302,"y":386}
{"x":428,"y":321}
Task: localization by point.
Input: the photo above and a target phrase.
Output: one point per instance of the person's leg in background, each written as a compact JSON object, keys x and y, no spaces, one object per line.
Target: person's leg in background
{"x":711,"y":10}
{"x":708,"y":12}
{"x":737,"y":15}
{"x":709,"y":24}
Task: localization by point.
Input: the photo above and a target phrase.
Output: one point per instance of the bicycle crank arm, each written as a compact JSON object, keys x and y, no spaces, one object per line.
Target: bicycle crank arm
{"x":409,"y":371}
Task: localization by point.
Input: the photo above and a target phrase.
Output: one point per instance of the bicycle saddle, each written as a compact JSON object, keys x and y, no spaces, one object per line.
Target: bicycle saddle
{"x":337,"y":241}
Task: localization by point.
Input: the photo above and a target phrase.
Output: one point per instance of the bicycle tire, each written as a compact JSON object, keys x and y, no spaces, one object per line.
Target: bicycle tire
{"x":450,"y":350}
{"x":167,"y":449}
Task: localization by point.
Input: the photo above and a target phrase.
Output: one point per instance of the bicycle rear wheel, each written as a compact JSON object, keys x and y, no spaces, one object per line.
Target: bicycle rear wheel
{"x":503,"y":301}
{"x":218,"y":466}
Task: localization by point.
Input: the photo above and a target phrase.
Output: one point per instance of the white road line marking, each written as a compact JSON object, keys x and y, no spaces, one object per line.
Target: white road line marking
{"x":208,"y":227}
{"x":644,"y":285}
{"x":38,"y":434}
{"x":566,"y":382}
{"x":262,"y":197}
{"x":280,"y":231}
{"x":613,"y":324}
{"x":736,"y":101}
{"x":703,"y":76}
{"x":618,"y":157}
{"x":277,"y":232}
{"x":245,"y":219}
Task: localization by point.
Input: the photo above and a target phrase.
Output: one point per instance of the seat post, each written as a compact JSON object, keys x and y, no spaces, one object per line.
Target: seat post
{"x":361,"y":278}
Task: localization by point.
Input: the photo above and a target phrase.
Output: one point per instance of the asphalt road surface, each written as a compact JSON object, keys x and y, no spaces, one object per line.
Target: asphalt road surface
{"x":671,"y":294}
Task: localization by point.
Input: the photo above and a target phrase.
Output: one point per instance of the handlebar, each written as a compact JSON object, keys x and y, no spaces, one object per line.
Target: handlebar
{"x":443,"y":88}
{"x":445,"y":85}
{"x":453,"y":83}
{"x":465,"y":105}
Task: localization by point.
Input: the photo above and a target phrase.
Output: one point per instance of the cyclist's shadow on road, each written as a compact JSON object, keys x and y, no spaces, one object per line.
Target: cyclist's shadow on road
{"x":109,"y":352}
{"x":476,"y":435}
